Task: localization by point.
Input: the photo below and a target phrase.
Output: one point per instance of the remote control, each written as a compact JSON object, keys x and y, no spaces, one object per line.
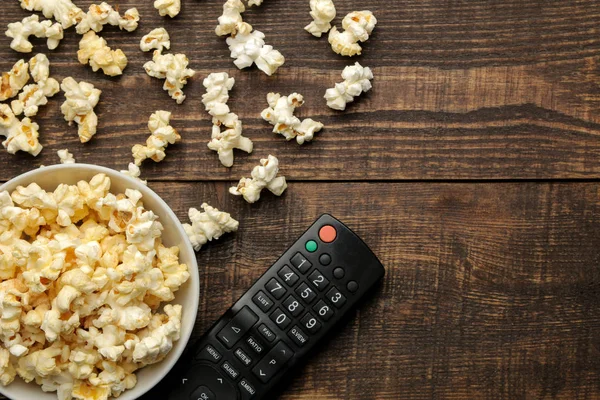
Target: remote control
{"x":276,"y":323}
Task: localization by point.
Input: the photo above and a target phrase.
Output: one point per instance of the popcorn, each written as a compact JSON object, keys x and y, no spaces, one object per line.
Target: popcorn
{"x":156,"y":39}
{"x":81,"y":98}
{"x":358,"y":25}
{"x":65,"y":156}
{"x":20,"y":134}
{"x":255,"y":2}
{"x":249,"y":48}
{"x":134,"y":172}
{"x":162,"y":135}
{"x":100,"y":15}
{"x":223,"y":142}
{"x":231,"y":19}
{"x":357,"y":80}
{"x":64,"y":11}
{"x":263,"y":176}
{"x":35,"y":95}
{"x":168,"y":7}
{"x":172,"y":68}
{"x":93,"y":50}
{"x":20,"y":32}
{"x":280,"y":114}
{"x":322,"y":12}
{"x":208,"y":225}
{"x":14,"y":80}
{"x":78,"y":303}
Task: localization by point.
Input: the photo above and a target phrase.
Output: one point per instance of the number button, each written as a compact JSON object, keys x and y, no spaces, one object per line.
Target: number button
{"x":307,"y":294}
{"x":310,"y":323}
{"x":317,"y":279}
{"x":279,"y":317}
{"x":289,"y":277}
{"x":275,"y":288}
{"x":301,"y":263}
{"x":323,"y":310}
{"x":293,"y":306}
{"x":336,"y":298}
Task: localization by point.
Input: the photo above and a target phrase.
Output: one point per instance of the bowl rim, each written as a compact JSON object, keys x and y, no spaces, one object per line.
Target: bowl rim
{"x":194,"y":280}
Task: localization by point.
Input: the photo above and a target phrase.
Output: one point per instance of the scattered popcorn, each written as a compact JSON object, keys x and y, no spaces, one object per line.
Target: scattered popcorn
{"x":100,"y":15}
{"x":322,"y":12}
{"x":280,"y":114}
{"x":134,"y":172}
{"x":20,"y":134}
{"x":35,"y":95}
{"x":14,"y":80}
{"x":357,"y":80}
{"x":162,"y":135}
{"x":168,"y":7}
{"x":65,"y":156}
{"x":255,"y":2}
{"x":208,"y":225}
{"x":247,"y":46}
{"x":173,"y":68}
{"x":223,"y":142}
{"x":263,"y":176}
{"x":157,"y":39}
{"x":93,"y":50}
{"x":357,"y":25}
{"x":20,"y":32}
{"x":81,"y":98}
{"x":64,"y":11}
{"x":79,"y":297}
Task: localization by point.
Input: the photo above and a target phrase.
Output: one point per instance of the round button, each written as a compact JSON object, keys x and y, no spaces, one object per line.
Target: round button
{"x":327,"y":233}
{"x":311,"y":246}
{"x":352,"y":286}
{"x":339,"y":273}
{"x":325,"y":259}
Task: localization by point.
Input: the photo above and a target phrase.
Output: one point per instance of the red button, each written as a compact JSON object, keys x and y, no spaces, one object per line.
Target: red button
{"x":327,"y":233}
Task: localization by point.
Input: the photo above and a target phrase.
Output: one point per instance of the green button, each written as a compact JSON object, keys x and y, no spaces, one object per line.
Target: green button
{"x":311,"y":246}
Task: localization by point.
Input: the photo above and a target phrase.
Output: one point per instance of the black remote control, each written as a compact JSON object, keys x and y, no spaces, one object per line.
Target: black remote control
{"x":276,"y":323}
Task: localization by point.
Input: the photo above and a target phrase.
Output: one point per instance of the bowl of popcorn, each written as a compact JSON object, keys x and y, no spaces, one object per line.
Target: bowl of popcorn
{"x":99,"y":285}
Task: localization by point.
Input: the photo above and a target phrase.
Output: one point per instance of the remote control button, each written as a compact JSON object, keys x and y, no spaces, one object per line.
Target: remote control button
{"x":209,"y":353}
{"x":336,"y":298}
{"x":232,"y":372}
{"x":275,"y":288}
{"x":323,"y":310}
{"x":187,"y":384}
{"x":262,"y":301}
{"x":327,"y":233}
{"x":254,"y":345}
{"x":289,"y":277}
{"x":266,"y":333}
{"x":339,"y":273}
{"x":243,"y":357}
{"x":311,"y":246}
{"x":317,"y":279}
{"x":247,"y":389}
{"x":301,"y":263}
{"x":237,"y":327}
{"x":279,"y":317}
{"x":203,"y":393}
{"x":293,"y":306}
{"x":352,"y":286}
{"x":299,"y":337}
{"x":273,"y":362}
{"x":325,"y":259}
{"x":307,"y":294}
{"x":310,"y":323}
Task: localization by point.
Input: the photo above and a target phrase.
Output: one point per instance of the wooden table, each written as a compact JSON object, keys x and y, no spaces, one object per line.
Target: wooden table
{"x":471,"y":169}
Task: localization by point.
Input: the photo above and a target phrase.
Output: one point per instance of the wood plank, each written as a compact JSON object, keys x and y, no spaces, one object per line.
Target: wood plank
{"x":462,"y":90}
{"x":492,"y":290}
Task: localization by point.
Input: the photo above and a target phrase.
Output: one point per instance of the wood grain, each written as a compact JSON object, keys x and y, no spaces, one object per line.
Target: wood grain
{"x":477,"y":89}
{"x":491,"y":290}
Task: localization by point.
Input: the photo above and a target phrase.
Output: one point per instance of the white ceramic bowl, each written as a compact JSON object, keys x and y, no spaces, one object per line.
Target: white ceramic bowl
{"x":173,"y":235}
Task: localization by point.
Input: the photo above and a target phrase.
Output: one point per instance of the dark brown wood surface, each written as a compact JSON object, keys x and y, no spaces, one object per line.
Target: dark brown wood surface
{"x":492,"y":288}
